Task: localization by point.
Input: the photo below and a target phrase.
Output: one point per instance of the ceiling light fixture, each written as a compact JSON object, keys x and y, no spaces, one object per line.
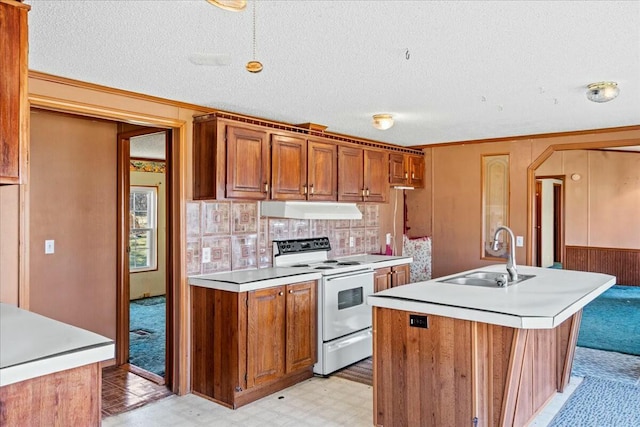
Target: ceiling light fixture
{"x":232,"y":5}
{"x":382,"y":121}
{"x":602,"y":91}
{"x":254,"y":66}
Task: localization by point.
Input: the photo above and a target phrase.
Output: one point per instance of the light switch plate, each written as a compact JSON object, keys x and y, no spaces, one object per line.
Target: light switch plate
{"x":519,"y":241}
{"x":206,"y":255}
{"x":49,"y":246}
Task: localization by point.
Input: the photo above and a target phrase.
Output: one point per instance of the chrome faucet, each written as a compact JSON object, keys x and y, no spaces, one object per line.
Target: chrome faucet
{"x":511,"y":261}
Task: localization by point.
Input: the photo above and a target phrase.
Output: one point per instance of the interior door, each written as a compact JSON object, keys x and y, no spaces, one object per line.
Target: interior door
{"x":128,"y":226}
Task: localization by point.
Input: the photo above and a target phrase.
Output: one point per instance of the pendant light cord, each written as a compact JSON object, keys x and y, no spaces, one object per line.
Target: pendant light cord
{"x":254,"y":30}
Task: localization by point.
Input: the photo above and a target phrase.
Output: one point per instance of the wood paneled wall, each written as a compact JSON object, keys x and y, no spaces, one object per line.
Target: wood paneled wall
{"x":622,"y":263}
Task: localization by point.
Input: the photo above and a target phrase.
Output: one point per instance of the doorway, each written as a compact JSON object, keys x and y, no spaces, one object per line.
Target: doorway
{"x":549,"y":221}
{"x":144,"y":291}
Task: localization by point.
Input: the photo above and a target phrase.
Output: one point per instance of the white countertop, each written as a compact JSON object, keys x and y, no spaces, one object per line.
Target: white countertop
{"x":32,"y":345}
{"x":250,"y":280}
{"x":542,"y":302}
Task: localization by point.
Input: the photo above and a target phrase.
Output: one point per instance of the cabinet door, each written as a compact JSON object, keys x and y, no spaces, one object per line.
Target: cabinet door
{"x":288,"y":168}
{"x":350,"y":174}
{"x":381,"y":279}
{"x":376,"y":175}
{"x":301,"y":326}
{"x":14,"y":108}
{"x":247,"y":163}
{"x":400,"y":275}
{"x":416,"y":171}
{"x":397,"y":169}
{"x":322,"y":166}
{"x":265,"y":335}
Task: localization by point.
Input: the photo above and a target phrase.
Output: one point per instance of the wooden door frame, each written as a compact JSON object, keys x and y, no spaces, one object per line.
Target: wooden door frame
{"x":123,"y":280}
{"x":179,"y":374}
{"x":561,"y":219}
{"x":531,"y":177}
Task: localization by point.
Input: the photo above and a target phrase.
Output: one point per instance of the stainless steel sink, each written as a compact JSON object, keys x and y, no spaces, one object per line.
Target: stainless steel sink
{"x":489,"y":279}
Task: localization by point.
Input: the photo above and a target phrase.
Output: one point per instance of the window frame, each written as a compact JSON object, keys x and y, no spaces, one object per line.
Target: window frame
{"x":152,"y":226}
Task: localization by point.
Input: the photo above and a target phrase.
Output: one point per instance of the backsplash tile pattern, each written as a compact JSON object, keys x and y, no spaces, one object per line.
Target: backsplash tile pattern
{"x":240,"y":239}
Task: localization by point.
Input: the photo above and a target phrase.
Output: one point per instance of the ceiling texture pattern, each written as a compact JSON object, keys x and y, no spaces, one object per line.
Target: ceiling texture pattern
{"x":447,"y":71}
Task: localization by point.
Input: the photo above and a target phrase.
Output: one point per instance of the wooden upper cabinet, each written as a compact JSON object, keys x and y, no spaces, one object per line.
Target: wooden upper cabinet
{"x":350,"y":174}
{"x":398,"y":173}
{"x":322,"y":171}
{"x":14,"y":103}
{"x":248,"y":163}
{"x":288,"y":168}
{"x":416,"y":171}
{"x":265,"y":335}
{"x":376,"y":176}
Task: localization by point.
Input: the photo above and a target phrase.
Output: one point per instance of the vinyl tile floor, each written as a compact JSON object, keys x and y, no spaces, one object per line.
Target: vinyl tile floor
{"x":323,"y":402}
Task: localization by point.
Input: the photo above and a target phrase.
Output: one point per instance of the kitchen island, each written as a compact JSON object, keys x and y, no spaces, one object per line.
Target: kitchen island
{"x":50,"y":372}
{"x":450,"y":354}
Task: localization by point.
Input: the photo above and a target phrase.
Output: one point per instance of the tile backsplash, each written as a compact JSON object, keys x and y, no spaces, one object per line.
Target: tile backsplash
{"x":239,"y":238}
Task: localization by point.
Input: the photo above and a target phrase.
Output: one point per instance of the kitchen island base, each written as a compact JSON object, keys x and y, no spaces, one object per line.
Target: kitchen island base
{"x":452,"y":372}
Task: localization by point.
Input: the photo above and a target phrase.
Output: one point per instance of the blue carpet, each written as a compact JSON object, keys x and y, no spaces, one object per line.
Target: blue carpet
{"x":600,"y":403}
{"x":147,"y":331}
{"x":612,"y":321}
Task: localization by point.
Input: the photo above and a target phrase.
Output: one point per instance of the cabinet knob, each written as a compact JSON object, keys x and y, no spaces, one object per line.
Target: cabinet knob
{"x":290,"y":291}
{"x":280,"y":293}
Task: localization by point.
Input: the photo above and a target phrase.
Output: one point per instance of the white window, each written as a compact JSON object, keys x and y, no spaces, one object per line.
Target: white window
{"x":143,"y":234}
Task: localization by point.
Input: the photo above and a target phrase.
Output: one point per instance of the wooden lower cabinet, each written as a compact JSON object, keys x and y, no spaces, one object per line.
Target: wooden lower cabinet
{"x":389,"y":277}
{"x":465,"y":373}
{"x":66,"y":398}
{"x":248,"y":345}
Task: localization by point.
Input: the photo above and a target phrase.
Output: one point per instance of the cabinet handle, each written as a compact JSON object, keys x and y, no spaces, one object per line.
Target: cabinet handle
{"x":363,"y":192}
{"x":311,"y":186}
{"x":413,"y":175}
{"x":304,"y":189}
{"x":367,"y":192}
{"x":406,"y":175}
{"x":280,"y":293}
{"x":266,"y":187}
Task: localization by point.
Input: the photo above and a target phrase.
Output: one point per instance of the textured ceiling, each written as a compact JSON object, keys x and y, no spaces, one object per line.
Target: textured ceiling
{"x":148,"y":146}
{"x":447,"y":71}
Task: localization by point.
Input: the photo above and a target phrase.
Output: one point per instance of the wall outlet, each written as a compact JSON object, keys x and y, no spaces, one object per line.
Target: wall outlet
{"x":352,"y":242}
{"x":206,"y":255}
{"x":49,"y":246}
{"x":519,"y":241}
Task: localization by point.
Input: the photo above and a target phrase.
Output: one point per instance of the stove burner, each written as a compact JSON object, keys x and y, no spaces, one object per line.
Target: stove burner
{"x":300,"y":265}
{"x":324,"y":267}
{"x":349,"y":263}
{"x":331,"y":261}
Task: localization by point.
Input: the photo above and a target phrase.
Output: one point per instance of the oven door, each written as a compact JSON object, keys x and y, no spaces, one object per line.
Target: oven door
{"x":345,"y":308}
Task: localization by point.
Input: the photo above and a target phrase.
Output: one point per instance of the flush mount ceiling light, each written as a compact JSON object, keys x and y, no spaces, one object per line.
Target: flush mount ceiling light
{"x":602,"y":91}
{"x":232,"y":5}
{"x":382,"y":121}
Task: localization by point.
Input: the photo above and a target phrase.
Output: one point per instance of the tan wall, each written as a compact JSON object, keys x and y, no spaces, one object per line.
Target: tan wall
{"x":602,"y":207}
{"x":9,"y":227}
{"x":152,"y":283}
{"x":73,"y":201}
{"x":455,"y":185}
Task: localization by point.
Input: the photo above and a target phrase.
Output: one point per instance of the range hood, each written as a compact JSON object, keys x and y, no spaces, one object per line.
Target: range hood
{"x":310,"y":210}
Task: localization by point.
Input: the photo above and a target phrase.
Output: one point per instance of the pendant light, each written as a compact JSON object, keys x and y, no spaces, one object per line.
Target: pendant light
{"x":254,"y":66}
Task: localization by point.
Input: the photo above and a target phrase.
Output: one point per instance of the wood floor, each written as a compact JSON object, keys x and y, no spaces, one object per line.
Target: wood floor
{"x":123,"y":391}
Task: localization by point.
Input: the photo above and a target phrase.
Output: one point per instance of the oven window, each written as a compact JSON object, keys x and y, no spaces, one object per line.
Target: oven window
{"x":350,"y":298}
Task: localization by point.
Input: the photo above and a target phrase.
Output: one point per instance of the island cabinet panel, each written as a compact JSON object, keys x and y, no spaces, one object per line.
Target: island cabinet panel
{"x":14,"y":104}
{"x":288,"y":168}
{"x":322,"y":171}
{"x":496,"y":375}
{"x":247,"y":345}
{"x":66,"y":398}
{"x":248,"y":163}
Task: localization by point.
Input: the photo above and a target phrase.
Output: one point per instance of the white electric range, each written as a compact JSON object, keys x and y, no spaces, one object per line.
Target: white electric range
{"x":344,"y":318}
